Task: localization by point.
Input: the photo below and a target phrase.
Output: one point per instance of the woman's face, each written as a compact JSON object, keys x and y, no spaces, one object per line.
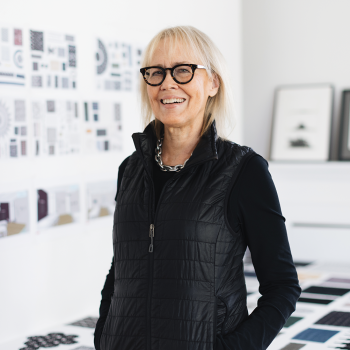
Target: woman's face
{"x":194,"y":95}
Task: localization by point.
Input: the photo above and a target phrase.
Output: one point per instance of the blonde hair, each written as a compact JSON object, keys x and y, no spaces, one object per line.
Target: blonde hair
{"x":218,"y":107}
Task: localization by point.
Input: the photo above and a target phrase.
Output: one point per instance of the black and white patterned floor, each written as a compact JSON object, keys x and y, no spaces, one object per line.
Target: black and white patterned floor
{"x":322,"y":316}
{"x":77,"y":335}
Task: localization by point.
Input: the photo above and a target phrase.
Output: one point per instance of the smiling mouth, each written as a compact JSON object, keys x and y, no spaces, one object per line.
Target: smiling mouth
{"x":172,"y":100}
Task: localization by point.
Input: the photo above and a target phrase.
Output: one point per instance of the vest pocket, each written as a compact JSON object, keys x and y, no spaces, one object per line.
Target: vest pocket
{"x":221,"y":313}
{"x":101,"y":337}
{"x":106,"y":321}
{"x":102,"y":334}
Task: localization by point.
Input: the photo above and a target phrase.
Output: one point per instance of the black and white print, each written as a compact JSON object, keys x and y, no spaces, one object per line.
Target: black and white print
{"x":12,"y":62}
{"x":53,"y":60}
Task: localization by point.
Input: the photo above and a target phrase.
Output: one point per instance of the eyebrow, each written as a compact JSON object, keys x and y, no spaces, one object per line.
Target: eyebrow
{"x":175,"y":63}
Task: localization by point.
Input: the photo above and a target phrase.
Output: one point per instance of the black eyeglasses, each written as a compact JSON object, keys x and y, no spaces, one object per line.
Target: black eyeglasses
{"x":181,"y":73}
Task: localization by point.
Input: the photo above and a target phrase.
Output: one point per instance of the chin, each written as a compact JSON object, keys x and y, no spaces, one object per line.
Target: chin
{"x":173,"y":120}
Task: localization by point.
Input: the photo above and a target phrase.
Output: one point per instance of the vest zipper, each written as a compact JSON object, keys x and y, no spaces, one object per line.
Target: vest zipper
{"x":153,"y":213}
{"x":151,"y":234}
{"x":150,"y":263}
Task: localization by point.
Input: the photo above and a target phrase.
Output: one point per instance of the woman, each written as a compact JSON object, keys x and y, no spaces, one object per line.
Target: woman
{"x":189,"y":202}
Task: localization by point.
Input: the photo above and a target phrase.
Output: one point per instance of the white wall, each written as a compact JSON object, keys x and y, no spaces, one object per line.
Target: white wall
{"x":291,"y":42}
{"x":57,"y":277}
{"x":300,"y":42}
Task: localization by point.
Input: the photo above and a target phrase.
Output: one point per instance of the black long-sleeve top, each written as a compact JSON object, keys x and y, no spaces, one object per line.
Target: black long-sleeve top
{"x":254,"y":208}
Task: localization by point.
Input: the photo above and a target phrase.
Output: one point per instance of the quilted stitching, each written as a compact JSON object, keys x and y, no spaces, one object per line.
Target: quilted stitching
{"x":196,"y":256}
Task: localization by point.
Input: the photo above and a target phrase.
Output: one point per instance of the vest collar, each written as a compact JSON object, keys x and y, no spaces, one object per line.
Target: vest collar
{"x":145,"y":144}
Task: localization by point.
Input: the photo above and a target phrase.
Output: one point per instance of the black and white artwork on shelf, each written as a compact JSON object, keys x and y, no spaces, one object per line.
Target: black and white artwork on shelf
{"x":301,"y":128}
{"x":344,"y":134}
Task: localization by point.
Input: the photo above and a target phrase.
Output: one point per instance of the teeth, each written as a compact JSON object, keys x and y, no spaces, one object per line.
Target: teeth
{"x":173,"y":100}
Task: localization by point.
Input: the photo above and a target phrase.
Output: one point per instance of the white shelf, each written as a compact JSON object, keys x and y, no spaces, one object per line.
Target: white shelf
{"x":317,"y":171}
{"x":315,"y":200}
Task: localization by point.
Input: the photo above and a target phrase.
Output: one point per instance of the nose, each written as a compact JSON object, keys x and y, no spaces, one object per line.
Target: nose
{"x":169,"y":82}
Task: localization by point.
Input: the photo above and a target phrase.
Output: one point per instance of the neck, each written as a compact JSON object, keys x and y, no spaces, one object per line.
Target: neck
{"x":179,"y":143}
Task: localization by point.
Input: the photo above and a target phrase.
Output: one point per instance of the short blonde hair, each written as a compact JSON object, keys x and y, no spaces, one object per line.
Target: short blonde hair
{"x":220,"y":106}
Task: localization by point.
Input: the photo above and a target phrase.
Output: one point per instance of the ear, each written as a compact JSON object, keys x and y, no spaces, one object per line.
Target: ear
{"x":215,"y":84}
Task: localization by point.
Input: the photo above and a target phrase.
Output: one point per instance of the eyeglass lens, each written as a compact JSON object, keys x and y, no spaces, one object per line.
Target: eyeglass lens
{"x":182,"y":74}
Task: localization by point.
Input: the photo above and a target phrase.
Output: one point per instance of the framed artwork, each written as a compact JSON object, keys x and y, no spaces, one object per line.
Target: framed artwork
{"x":301,"y":126}
{"x":344,"y":134}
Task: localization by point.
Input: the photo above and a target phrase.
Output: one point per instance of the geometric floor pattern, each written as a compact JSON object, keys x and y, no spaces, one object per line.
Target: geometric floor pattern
{"x":48,"y":341}
{"x":322,"y":316}
{"x":89,"y":322}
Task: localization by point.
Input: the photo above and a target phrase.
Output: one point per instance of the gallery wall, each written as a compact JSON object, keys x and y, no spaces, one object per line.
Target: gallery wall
{"x":53,"y":273}
{"x":291,"y":42}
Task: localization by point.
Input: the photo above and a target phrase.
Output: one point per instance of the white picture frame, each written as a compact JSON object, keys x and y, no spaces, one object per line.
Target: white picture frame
{"x":302,"y":121}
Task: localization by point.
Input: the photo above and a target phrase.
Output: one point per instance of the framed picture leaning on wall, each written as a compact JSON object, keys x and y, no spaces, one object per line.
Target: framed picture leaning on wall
{"x":344,"y":133}
{"x":301,"y":126}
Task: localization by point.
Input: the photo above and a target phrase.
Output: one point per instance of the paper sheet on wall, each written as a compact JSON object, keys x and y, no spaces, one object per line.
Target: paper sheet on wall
{"x":138,"y":51}
{"x":58,"y":206}
{"x":53,"y":62}
{"x":11,"y":56}
{"x":100,"y":198}
{"x":14,"y":213}
{"x":102,"y":126}
{"x":117,"y":65}
{"x":56,"y":127}
{"x":13,"y":128}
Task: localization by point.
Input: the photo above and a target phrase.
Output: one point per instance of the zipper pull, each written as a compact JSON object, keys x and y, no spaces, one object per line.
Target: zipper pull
{"x":151,"y":234}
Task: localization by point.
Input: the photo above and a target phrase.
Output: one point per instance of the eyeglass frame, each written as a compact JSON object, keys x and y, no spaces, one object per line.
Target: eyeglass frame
{"x":193,"y":66}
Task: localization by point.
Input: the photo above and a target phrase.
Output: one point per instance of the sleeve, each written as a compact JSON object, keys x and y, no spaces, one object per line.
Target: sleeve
{"x":108,"y":287}
{"x":255,"y":199}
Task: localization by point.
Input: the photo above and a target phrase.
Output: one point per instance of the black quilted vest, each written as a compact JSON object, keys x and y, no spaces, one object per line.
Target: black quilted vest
{"x":179,"y":277}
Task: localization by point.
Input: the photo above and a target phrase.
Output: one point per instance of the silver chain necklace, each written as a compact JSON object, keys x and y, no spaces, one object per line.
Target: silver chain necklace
{"x":158,"y":158}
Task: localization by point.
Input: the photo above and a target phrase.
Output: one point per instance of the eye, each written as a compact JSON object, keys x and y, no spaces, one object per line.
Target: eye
{"x":183,"y":70}
{"x":157,"y":73}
